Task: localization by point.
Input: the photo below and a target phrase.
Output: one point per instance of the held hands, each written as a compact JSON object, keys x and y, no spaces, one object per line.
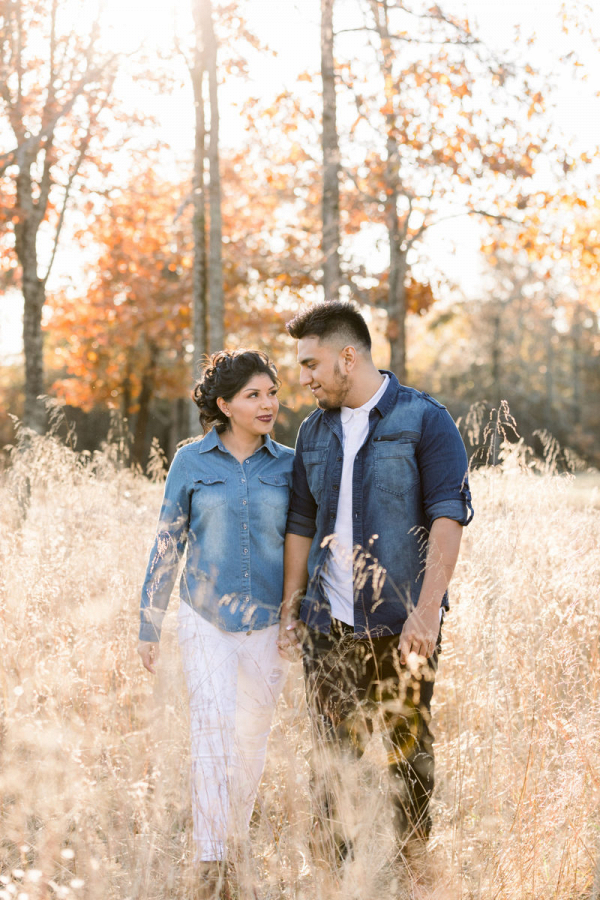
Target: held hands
{"x":420,"y":633}
{"x":289,"y":642}
{"x":149,"y":652}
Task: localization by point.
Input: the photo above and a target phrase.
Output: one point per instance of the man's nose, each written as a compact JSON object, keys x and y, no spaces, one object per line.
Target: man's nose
{"x":305,"y":377}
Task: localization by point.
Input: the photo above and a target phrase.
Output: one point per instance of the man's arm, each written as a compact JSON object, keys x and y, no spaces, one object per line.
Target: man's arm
{"x":421,"y":629}
{"x":295,"y":556}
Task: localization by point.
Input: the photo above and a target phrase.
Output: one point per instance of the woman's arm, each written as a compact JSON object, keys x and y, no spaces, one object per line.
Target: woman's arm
{"x":168,"y":547}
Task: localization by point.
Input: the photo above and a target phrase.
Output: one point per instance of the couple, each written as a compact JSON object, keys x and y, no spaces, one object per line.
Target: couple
{"x":358,"y":531}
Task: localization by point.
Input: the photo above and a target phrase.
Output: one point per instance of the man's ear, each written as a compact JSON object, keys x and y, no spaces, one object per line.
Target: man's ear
{"x":348,"y":357}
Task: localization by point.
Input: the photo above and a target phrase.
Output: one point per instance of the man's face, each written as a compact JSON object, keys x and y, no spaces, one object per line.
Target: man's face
{"x":321,"y":370}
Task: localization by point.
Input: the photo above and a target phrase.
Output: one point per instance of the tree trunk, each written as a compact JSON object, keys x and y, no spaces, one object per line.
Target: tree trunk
{"x":34,"y":296}
{"x":396,"y":331}
{"x":496,"y":356}
{"x":216,"y":335}
{"x":145,"y":396}
{"x":331,"y":160}
{"x":550,"y":370}
{"x":576,"y":357}
{"x":199,"y":310}
{"x":33,"y":343}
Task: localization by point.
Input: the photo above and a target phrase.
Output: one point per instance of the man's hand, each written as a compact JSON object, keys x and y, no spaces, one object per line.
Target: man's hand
{"x":420,"y":633}
{"x":289,"y":642}
{"x":422,"y":627}
{"x":149,"y":652}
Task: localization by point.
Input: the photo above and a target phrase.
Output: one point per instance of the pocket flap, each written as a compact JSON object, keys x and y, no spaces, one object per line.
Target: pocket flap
{"x":400,"y":436}
{"x":277,"y":480}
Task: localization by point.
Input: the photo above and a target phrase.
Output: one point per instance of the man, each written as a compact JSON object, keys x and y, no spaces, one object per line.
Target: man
{"x":380,"y":497}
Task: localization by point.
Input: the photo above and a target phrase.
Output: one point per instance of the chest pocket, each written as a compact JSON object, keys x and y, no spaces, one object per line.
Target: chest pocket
{"x":314,"y":464}
{"x":274,"y":491}
{"x":396,"y":469}
{"x":210,"y":492}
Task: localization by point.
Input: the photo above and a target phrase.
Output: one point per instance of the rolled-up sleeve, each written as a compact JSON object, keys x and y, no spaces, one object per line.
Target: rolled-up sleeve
{"x":167,"y":550}
{"x":444,"y":468}
{"x":302,"y":513}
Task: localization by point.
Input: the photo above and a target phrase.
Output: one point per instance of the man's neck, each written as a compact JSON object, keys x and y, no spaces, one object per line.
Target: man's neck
{"x":367,"y":382}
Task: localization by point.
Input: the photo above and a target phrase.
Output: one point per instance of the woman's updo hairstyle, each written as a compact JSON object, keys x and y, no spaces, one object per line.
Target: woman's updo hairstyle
{"x":225,"y":374}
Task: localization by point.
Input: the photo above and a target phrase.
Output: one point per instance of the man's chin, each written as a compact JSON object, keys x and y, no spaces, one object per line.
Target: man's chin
{"x":326,"y":404}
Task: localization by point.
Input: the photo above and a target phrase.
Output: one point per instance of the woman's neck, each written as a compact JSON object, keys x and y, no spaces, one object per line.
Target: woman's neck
{"x":241,"y":445}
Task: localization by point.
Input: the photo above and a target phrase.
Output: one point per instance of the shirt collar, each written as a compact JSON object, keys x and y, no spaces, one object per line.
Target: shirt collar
{"x":347,"y":412}
{"x":212,"y":440}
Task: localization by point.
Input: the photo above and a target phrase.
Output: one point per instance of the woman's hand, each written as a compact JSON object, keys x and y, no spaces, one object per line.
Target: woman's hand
{"x":149,"y":651}
{"x":289,"y":642}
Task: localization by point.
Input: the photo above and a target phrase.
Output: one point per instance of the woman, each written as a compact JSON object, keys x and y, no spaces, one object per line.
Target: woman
{"x":226,"y":500}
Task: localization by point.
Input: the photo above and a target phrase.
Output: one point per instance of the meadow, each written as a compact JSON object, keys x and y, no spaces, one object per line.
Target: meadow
{"x":94,"y":794}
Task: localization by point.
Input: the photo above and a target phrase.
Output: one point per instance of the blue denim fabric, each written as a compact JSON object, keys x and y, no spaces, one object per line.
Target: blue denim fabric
{"x":411,"y":470}
{"x":232,"y":518}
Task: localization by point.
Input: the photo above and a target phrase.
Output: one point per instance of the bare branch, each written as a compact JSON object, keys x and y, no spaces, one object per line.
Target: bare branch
{"x":467,"y":212}
{"x":413,"y":40}
{"x":83,"y":148}
{"x":15,"y":156}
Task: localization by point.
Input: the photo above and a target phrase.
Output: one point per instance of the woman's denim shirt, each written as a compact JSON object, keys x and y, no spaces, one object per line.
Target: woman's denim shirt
{"x":232,"y":517}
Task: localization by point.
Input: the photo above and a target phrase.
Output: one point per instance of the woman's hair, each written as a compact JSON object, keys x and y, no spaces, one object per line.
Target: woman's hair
{"x":224,"y":375}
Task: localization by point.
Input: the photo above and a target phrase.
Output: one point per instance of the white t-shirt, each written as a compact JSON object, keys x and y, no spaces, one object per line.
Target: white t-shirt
{"x":337,"y":573}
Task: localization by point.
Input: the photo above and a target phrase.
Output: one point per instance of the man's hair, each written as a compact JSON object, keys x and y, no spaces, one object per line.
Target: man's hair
{"x":326,"y":320}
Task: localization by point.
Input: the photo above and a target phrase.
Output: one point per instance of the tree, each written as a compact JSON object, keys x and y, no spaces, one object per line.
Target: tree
{"x":331,"y":160}
{"x":56,"y":84}
{"x":199,"y":283}
{"x":436,"y":140}
{"x":124,"y":342}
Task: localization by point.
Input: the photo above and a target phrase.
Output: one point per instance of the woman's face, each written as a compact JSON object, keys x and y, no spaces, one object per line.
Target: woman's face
{"x":253,"y":410}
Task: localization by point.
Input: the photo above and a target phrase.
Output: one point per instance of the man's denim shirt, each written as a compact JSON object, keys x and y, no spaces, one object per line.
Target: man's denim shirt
{"x":232,"y":517}
{"x":411,"y":469}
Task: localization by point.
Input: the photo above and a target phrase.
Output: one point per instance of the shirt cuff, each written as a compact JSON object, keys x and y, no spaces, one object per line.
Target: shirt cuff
{"x":459,"y":510}
{"x":302,"y":525}
{"x":151,"y":619}
{"x":149,"y":633}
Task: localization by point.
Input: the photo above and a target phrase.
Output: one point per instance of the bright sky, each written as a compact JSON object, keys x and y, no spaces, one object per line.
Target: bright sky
{"x":291,"y":28}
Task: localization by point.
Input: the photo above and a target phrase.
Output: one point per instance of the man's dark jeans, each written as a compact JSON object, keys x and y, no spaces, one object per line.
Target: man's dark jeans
{"x":351,"y":683}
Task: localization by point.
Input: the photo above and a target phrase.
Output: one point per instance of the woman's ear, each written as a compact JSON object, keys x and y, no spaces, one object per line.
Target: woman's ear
{"x":223,"y":406}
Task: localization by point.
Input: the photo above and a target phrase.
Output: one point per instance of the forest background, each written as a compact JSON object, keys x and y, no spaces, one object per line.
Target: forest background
{"x":179,"y":177}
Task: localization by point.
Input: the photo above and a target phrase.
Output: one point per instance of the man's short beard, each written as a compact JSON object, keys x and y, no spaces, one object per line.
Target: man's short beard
{"x":342,"y":389}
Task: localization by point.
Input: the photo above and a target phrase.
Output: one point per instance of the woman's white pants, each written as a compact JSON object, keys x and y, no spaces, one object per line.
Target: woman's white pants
{"x":234,"y":680}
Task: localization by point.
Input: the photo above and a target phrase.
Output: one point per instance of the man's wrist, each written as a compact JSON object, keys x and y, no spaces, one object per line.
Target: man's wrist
{"x":431,"y":602}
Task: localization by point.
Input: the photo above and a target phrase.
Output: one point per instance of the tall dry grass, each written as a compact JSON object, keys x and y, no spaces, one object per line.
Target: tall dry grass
{"x":94,"y":795}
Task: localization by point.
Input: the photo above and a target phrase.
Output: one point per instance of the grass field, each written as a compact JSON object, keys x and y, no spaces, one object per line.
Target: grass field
{"x":94,"y":798}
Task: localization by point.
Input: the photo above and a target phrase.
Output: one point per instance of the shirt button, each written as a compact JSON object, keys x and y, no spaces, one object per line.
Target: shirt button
{"x":244,"y":502}
{"x":243,"y":481}
{"x":336,"y":487}
{"x":245,"y":527}
{"x":338,"y":459}
{"x":245,"y":574}
{"x":245,"y":549}
{"x":247,"y":462}
{"x":247,"y":599}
